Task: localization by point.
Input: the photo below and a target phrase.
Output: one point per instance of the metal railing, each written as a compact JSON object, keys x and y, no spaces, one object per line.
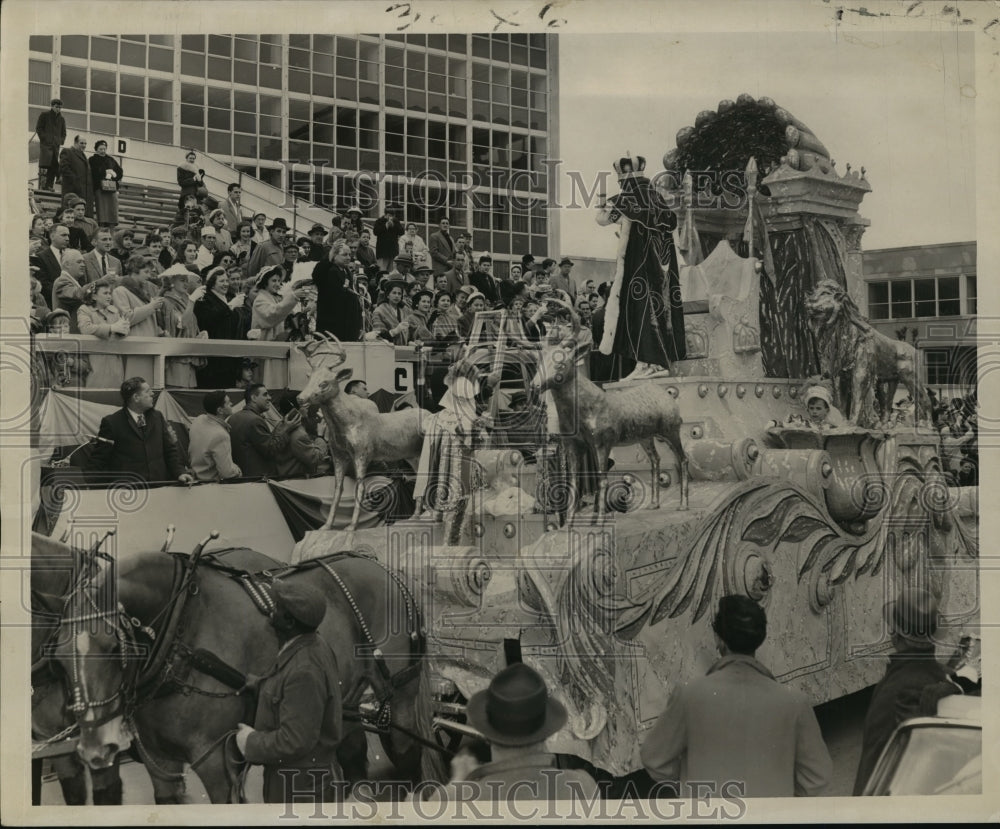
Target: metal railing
{"x":141,"y":166}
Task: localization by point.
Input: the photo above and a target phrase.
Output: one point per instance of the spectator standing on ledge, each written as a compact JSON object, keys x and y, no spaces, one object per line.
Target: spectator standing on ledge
{"x":210,"y":445}
{"x":739,"y":725}
{"x":107,"y":174}
{"x":51,"y":131}
{"x":190,"y":179}
{"x":914,"y":680}
{"x":74,"y":170}
{"x":136,"y":442}
{"x":387,"y":233}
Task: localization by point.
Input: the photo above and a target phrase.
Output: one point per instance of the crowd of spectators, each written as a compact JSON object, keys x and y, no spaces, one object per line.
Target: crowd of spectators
{"x":957,"y":422}
{"x":220,"y":272}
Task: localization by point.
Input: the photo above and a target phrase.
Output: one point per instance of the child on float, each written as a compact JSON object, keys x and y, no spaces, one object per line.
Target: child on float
{"x":820,"y":411}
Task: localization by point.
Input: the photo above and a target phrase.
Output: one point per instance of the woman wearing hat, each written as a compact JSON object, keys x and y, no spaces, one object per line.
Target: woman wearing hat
{"x":516,"y":715}
{"x":99,"y":318}
{"x":270,"y":310}
{"x":223,"y":238}
{"x":388,"y":318}
{"x":219,"y":317}
{"x":107,"y":175}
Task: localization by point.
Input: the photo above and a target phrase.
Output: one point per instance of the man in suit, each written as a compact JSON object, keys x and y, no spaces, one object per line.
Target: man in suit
{"x":387,"y":230}
{"x":255,"y":447}
{"x":232,"y":208}
{"x":271,"y":252}
{"x":561,"y":280}
{"x":50,"y":258}
{"x":51,"y":131}
{"x":441,"y":247}
{"x":99,"y":262}
{"x":67,"y":290}
{"x":457,"y":276}
{"x":136,"y":442}
{"x":83,"y":223}
{"x":75,"y":172}
{"x":482,"y":280}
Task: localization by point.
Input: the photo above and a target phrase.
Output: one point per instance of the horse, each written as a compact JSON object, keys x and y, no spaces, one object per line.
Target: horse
{"x":55,"y":570}
{"x":137,"y":670}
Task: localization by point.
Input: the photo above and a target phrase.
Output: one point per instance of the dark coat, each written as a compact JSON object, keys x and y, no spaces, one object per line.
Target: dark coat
{"x":255,"y":447}
{"x":216,"y":317}
{"x":299,"y":721}
{"x":387,"y":238}
{"x":51,"y":131}
{"x":487,"y":285}
{"x":911,"y":687}
{"x":76,"y":177}
{"x":151,"y":456}
{"x":338,"y":308}
{"x":98,"y":166}
{"x":50,"y":269}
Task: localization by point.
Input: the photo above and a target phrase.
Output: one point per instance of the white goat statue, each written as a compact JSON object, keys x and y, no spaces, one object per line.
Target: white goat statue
{"x":591,"y":416}
{"x":356,"y":431}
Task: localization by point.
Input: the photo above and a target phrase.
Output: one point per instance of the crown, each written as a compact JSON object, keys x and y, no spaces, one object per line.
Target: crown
{"x":628,"y":166}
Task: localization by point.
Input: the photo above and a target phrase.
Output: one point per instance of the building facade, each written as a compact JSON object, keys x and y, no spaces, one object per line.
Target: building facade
{"x":456,"y":123}
{"x":927,"y":295}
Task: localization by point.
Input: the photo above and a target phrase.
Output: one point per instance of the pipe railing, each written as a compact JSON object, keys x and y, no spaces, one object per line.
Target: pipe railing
{"x":140,"y":166}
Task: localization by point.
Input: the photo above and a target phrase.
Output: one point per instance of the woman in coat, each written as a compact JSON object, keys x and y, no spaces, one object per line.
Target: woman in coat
{"x":388,"y":318}
{"x":270,"y":310}
{"x":99,"y":318}
{"x":107,"y":174}
{"x":190,"y":179}
{"x":220,"y":317}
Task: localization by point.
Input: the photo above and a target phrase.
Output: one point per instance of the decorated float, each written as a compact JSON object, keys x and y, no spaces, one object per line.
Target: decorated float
{"x":819,"y":525}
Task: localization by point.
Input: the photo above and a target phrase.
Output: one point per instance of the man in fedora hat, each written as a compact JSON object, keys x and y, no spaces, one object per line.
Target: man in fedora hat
{"x":51,"y":131}
{"x":403,"y":265}
{"x":914,"y":680}
{"x":270,"y":252}
{"x":561,"y":280}
{"x":738,"y":725}
{"x":299,"y":719}
{"x":516,"y":715}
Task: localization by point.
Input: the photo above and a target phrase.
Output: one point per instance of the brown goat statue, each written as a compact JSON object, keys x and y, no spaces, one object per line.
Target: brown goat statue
{"x":356,"y":431}
{"x":591,"y":416}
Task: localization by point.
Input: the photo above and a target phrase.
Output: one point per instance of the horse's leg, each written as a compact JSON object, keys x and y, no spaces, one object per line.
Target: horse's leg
{"x":339,"y":469}
{"x":107,"y":784}
{"x":218,"y":778}
{"x":352,"y":754}
{"x":72,"y":776}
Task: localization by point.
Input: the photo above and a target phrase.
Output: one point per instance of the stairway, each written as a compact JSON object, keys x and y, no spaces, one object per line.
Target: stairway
{"x":142,"y":208}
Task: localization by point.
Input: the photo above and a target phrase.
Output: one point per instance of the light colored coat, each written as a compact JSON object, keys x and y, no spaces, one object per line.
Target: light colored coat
{"x":211,"y":450}
{"x":739,"y":725}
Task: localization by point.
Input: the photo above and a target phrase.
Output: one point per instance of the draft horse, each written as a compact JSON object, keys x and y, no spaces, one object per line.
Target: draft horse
{"x":161,"y":660}
{"x":56,"y":570}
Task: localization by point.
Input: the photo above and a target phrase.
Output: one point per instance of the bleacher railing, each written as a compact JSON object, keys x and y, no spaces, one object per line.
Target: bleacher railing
{"x":153,"y":164}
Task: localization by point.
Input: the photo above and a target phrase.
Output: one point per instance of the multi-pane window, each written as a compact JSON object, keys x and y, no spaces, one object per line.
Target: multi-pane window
{"x":912,"y":298}
{"x":971,"y":304}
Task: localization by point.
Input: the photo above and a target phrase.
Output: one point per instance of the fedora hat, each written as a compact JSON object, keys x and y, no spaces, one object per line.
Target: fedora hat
{"x":405,"y":258}
{"x":278,"y":223}
{"x":516,"y":709}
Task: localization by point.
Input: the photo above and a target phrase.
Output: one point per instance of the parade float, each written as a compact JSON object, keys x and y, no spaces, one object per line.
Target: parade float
{"x":818,"y":525}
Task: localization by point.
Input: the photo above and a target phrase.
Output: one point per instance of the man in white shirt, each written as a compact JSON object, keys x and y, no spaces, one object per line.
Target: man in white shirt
{"x":99,"y":262}
{"x":210,"y":446}
{"x":206,"y":252}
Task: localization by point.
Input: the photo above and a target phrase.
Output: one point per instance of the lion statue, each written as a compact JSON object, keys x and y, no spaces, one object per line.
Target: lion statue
{"x":864,"y":365}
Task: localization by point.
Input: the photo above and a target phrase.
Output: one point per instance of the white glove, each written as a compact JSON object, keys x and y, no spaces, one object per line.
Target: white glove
{"x":243,"y":731}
